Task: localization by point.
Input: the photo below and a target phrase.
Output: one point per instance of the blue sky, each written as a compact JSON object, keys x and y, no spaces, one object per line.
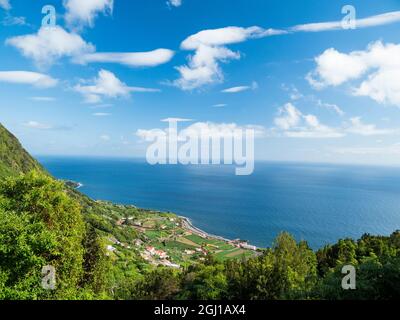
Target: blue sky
{"x":112,"y":69}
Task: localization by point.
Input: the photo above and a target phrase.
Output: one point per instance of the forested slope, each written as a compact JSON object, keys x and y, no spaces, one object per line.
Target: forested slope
{"x":14,"y":159}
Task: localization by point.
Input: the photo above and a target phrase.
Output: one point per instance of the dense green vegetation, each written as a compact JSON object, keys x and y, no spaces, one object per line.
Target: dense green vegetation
{"x":41,"y":225}
{"x":13,"y":157}
{"x":289,"y":270}
{"x":94,"y":249}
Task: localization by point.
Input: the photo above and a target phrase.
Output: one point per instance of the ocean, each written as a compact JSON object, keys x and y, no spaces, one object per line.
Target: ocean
{"x":319,"y":203}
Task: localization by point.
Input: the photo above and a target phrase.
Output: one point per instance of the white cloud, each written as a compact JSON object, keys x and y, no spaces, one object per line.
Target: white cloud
{"x":295,"y":94}
{"x":293,"y":124}
{"x":49,"y":45}
{"x":380,"y":62}
{"x":226,"y":36}
{"x":83,"y":13}
{"x":43,"y":99}
{"x":5,"y":4}
{"x":25,"y":77}
{"x":131,"y":59}
{"x":45,"y":126}
{"x":150,"y":135}
{"x":105,"y":137}
{"x":174,"y":3}
{"x":38,"y":125}
{"x":102,"y":106}
{"x":360,"y":128}
{"x":373,"y":21}
{"x":176,"y":120}
{"x":335,"y":68}
{"x":106,"y":85}
{"x":203,"y":129}
{"x":238,"y":89}
{"x":382,"y":86}
{"x":220,"y":105}
{"x":390,"y":150}
{"x":290,"y":117}
{"x":10,"y":20}
{"x":331,"y":106}
{"x":219,"y":130}
{"x":203,"y":67}
{"x":101,"y":114}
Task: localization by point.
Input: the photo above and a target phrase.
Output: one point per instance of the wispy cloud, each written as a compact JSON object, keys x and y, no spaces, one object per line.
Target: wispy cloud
{"x":45,"y":126}
{"x":390,"y":150}
{"x":105,"y":137}
{"x":203,"y":129}
{"x":296,"y":95}
{"x":238,"y":89}
{"x":26,"y":77}
{"x":38,"y":125}
{"x":43,"y":99}
{"x":358,"y":127}
{"x":101,"y":114}
{"x":294,"y":124}
{"x":10,"y":20}
{"x":131,"y":59}
{"x":330,"y":106}
{"x":176,"y":120}
{"x":102,"y":106}
{"x":372,"y":21}
{"x":174,"y":3}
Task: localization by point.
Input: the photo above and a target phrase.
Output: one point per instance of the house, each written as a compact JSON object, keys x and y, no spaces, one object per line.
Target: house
{"x":121,"y":222}
{"x":161,"y":254}
{"x":171,"y":265}
{"x":201,"y":250}
{"x":151,"y":250}
{"x":111,"y":248}
{"x":245,"y":245}
{"x":138,"y":243}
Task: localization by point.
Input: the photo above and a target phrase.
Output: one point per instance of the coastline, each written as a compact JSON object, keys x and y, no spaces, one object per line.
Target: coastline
{"x":188,"y":224}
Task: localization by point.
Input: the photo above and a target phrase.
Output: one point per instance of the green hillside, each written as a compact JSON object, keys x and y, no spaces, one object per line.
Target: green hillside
{"x":14,"y":159}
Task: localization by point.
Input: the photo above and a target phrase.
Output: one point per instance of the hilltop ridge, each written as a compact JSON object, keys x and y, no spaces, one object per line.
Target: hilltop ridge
{"x":14,"y":159}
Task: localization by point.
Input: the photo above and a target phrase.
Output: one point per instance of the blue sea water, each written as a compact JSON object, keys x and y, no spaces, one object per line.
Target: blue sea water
{"x":318,"y":203}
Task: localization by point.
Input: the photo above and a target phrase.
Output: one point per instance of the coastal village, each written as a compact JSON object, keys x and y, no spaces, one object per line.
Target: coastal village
{"x":165,"y":239}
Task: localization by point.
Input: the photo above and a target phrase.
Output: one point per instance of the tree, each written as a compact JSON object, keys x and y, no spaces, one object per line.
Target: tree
{"x":41,"y":226}
{"x":159,"y":284}
{"x":23,"y":248}
{"x":204,"y":282}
